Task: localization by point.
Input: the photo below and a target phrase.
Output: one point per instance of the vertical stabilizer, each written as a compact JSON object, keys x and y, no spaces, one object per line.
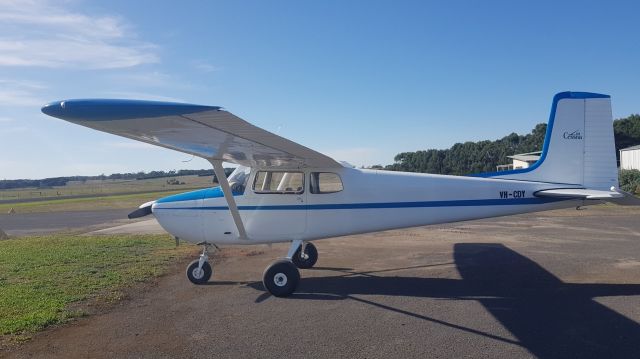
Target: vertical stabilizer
{"x":579,"y":147}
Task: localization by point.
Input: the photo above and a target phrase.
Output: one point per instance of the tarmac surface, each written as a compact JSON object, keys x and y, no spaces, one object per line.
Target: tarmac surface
{"x":21,"y":224}
{"x":561,"y":284}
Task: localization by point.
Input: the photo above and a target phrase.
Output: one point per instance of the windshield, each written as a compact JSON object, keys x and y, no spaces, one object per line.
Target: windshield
{"x":238,"y":179}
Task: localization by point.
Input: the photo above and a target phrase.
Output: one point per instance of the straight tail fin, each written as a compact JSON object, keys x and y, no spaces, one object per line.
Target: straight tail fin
{"x":579,"y":147}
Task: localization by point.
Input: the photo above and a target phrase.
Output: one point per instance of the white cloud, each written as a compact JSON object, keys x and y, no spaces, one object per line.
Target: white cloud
{"x":39,"y":33}
{"x":204,"y":66}
{"x":6,"y":119}
{"x":357,"y":156}
{"x":149,"y":78}
{"x":131,"y":145}
{"x":20,"y":93}
{"x":141,"y":96}
{"x":17,"y":97}
{"x":13,"y":130}
{"x":31,"y":85}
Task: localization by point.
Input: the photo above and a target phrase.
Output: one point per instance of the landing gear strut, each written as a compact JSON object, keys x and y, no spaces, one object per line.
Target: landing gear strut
{"x":200,"y":271}
{"x":282,"y":276}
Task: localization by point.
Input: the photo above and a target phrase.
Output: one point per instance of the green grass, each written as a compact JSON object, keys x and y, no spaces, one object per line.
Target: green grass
{"x":87,"y":203}
{"x":106,"y":187}
{"x":43,"y":278}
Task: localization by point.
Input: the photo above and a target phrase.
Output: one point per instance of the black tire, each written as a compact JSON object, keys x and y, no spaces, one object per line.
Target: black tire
{"x":281,"y":278}
{"x":203,"y":276}
{"x":312,"y":257}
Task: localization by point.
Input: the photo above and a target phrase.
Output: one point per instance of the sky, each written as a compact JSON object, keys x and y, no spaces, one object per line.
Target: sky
{"x":360,"y":81}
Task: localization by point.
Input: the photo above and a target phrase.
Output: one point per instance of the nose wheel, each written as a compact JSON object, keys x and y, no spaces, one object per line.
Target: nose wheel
{"x":200,"y":271}
{"x":199,"y":274}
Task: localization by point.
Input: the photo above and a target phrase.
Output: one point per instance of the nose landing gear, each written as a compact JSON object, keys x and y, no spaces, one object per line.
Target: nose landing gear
{"x":200,"y":271}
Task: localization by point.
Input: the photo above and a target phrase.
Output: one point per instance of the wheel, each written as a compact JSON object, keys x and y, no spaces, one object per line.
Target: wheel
{"x":199,"y":276}
{"x":311,"y":254}
{"x":281,"y":278}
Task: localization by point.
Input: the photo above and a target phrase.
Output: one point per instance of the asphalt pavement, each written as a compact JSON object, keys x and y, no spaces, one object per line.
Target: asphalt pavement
{"x":561,"y":284}
{"x":20,"y":224}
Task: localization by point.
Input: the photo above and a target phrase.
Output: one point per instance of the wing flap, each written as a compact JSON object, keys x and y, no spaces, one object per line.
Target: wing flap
{"x":204,"y":131}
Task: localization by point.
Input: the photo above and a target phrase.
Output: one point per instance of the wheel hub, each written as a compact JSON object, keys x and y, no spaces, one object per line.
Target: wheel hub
{"x":197,"y":273}
{"x":280,"y":279}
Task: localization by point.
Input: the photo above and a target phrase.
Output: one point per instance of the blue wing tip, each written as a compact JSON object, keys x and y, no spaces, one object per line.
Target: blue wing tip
{"x":118,"y":109}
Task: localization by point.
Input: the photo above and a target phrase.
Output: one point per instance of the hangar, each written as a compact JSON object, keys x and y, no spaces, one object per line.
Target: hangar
{"x":630,"y":158}
{"x":520,"y":160}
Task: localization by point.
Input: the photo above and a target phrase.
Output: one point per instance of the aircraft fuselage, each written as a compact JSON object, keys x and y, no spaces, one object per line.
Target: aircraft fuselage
{"x":370,"y":200}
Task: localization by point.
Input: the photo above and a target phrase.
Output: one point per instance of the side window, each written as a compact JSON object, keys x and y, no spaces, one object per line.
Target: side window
{"x":325,"y":182}
{"x":279,"y":182}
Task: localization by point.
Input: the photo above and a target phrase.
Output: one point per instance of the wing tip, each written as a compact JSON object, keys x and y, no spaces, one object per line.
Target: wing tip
{"x":118,"y":109}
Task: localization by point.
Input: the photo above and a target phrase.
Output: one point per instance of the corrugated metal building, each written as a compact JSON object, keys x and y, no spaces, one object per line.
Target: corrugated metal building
{"x":630,"y":158}
{"x":521,"y":160}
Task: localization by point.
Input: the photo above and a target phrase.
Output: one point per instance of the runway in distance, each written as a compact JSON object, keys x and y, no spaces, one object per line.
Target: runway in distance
{"x":284,"y":192}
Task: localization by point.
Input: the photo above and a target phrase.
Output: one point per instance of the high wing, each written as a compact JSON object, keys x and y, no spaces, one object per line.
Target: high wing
{"x":204,"y":131}
{"x":615,"y":196}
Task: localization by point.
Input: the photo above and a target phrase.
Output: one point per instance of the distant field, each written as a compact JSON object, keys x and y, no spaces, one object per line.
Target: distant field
{"x":85,"y":203}
{"x":106,"y":187}
{"x":42,"y":279}
{"x":108,"y":194}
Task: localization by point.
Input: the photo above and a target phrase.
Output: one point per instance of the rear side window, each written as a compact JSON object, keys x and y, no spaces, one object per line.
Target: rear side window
{"x":279,"y":182}
{"x":325,"y":182}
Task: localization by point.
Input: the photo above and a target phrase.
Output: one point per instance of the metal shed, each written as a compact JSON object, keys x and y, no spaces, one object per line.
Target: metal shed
{"x":630,"y":158}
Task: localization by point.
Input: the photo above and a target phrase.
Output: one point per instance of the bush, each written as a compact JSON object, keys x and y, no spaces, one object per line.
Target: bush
{"x":630,"y":181}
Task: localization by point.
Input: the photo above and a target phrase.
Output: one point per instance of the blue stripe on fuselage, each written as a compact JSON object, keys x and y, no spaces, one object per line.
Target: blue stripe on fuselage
{"x":382,"y":205}
{"x":214,"y":192}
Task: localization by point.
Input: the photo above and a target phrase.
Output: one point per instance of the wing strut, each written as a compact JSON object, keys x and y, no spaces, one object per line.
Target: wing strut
{"x":228,"y":195}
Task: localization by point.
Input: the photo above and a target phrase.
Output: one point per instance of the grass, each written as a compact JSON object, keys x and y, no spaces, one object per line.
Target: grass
{"x":97,"y":195}
{"x":86,"y":203}
{"x":106,"y":187}
{"x":42,"y":279}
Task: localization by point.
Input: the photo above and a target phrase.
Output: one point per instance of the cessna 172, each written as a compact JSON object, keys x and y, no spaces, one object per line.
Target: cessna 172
{"x":285,"y":192}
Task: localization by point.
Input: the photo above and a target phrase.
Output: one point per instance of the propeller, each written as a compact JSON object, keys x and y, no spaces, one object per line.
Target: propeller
{"x":142,"y":211}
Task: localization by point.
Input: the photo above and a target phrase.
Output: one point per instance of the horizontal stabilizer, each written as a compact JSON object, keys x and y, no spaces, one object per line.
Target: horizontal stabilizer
{"x":614,"y":196}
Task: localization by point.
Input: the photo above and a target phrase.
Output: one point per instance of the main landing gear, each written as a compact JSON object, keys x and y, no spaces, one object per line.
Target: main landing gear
{"x":282,"y":276}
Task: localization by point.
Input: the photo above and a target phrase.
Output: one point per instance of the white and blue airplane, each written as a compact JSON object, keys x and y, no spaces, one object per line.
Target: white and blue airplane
{"x":285,"y":192}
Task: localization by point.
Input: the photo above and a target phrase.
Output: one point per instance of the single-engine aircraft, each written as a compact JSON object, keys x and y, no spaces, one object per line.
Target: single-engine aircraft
{"x":285,"y":192}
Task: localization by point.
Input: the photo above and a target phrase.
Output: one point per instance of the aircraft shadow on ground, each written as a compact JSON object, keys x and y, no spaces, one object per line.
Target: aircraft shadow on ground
{"x":550,"y":318}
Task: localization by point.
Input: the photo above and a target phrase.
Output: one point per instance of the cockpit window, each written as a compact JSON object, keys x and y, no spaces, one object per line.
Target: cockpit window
{"x":238,"y":179}
{"x":279,"y":182}
{"x":325,"y":182}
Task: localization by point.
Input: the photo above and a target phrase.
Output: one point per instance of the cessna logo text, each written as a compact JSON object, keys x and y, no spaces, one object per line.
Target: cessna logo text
{"x":575,"y":135}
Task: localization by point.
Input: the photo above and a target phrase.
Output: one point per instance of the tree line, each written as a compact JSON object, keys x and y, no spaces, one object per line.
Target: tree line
{"x":485,"y":156}
{"x":62,"y":181}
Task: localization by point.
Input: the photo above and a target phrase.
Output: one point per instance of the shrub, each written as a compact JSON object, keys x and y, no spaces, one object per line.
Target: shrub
{"x":630,"y":181}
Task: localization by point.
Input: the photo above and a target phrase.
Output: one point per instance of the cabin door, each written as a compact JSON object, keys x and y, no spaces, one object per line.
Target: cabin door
{"x":278,"y":205}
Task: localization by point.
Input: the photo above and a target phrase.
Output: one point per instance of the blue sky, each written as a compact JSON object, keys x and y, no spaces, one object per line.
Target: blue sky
{"x":358,"y":80}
